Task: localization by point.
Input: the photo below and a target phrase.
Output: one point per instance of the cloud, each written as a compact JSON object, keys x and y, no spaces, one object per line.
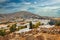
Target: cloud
{"x":27,"y":3}
{"x":56,"y":1}
{"x":1,"y":1}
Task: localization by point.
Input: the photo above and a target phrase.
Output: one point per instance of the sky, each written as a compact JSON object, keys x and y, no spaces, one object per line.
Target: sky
{"x":35,"y":6}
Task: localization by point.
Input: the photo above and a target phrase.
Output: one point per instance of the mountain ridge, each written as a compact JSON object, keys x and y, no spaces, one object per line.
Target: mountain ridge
{"x":21,"y":14}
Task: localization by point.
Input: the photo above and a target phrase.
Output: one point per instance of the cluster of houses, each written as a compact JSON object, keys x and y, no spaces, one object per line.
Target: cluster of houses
{"x":44,"y":24}
{"x":27,"y":33}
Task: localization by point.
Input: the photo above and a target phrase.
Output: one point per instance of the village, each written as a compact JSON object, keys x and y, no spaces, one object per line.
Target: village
{"x":26,"y":24}
{"x":18,"y":29}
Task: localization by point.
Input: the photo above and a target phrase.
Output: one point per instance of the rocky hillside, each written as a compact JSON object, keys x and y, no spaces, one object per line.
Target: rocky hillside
{"x":22,"y":14}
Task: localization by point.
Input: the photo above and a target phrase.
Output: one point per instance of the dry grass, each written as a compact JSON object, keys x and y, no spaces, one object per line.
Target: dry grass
{"x":56,"y":18}
{"x":33,"y":35}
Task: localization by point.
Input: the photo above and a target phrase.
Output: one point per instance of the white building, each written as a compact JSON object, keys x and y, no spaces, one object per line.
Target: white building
{"x":25,"y":29}
{"x":45,"y":22}
{"x":46,"y":26}
{"x":3,"y":26}
{"x":26,"y":24}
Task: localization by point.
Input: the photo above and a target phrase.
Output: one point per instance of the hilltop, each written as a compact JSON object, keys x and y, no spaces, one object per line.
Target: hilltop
{"x":21,"y":14}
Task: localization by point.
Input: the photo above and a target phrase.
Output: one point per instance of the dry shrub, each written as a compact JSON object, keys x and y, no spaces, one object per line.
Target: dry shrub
{"x":30,"y":37}
{"x":1,"y":38}
{"x":40,"y":37}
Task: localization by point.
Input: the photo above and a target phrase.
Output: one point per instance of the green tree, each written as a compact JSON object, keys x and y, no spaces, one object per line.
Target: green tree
{"x":37,"y":25}
{"x":31,"y":25}
{"x":22,"y":27}
{"x":8,"y":26}
{"x":13,"y":28}
{"x":57,"y":23}
{"x":2,"y":32}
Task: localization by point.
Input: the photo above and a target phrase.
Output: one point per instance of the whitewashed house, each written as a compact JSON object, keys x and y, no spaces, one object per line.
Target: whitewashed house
{"x":3,"y":26}
{"x":45,"y":22}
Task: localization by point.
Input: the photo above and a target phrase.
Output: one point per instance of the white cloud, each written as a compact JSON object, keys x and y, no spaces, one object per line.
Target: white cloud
{"x":56,"y":0}
{"x":27,"y":3}
{"x":52,"y":7}
{"x":35,"y":2}
{"x":1,"y":1}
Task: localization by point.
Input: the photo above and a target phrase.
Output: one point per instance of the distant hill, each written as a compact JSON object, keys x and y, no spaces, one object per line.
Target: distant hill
{"x":22,"y":14}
